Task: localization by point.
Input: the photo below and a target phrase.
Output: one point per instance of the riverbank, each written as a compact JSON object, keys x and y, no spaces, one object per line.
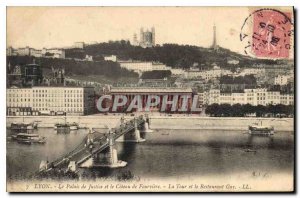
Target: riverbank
{"x":161,"y":121}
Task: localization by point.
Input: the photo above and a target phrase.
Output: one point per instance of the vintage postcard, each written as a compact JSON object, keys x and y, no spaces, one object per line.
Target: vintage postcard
{"x":150,"y":99}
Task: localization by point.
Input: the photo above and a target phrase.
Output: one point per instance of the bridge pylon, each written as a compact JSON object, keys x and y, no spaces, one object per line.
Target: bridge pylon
{"x":146,"y":126}
{"x":106,"y":158}
{"x":133,"y":136}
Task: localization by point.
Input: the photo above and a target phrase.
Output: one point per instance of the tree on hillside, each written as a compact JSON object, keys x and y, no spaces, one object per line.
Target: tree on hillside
{"x":247,"y":79}
{"x":157,"y":74}
{"x":174,"y":55}
{"x":72,"y":67}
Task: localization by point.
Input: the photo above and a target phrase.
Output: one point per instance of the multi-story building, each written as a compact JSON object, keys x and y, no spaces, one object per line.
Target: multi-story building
{"x":287,"y":99}
{"x":57,"y":78}
{"x":11,"y":51}
{"x":29,"y":74}
{"x":71,"y":100}
{"x":139,"y":66}
{"x":79,"y":45}
{"x":193,"y":74}
{"x":250,"y":95}
{"x":232,"y":61}
{"x":253,"y":71}
{"x":273,"y":97}
{"x":53,"y":53}
{"x":214,"y":96}
{"x":27,"y":51}
{"x":177,"y":71}
{"x":238,"y":98}
{"x":36,"y":53}
{"x":112,"y":58}
{"x":214,"y":73}
{"x":24,"y":51}
{"x":225,"y":98}
{"x":282,"y":79}
{"x":88,"y":57}
{"x":201,"y":98}
{"x":160,"y":66}
{"x":258,"y":96}
{"x":261,"y":96}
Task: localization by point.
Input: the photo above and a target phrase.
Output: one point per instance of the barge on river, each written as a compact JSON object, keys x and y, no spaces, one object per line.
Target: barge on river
{"x":261,"y":129}
{"x":29,"y":138}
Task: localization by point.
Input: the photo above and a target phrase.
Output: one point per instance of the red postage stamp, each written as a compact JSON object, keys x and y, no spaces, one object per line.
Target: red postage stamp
{"x":271,"y":35}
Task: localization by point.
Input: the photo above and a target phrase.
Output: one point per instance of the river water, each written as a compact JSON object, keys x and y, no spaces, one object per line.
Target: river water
{"x":167,"y":154}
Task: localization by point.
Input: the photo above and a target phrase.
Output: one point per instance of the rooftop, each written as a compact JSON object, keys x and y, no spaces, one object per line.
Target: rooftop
{"x":49,"y":87}
{"x":151,"y":90}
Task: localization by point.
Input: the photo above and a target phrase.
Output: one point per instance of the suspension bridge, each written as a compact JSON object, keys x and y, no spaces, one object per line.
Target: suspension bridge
{"x":98,"y":149}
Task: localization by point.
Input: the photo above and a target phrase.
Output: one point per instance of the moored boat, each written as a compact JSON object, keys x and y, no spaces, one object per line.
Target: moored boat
{"x":66,"y":126}
{"x":74,"y":126}
{"x":62,"y":128}
{"x":29,"y":138}
{"x":261,"y":130}
{"x":35,"y":124}
{"x":21,"y":126}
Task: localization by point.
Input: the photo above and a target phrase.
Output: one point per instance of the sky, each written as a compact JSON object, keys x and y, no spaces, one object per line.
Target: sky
{"x":39,"y":27}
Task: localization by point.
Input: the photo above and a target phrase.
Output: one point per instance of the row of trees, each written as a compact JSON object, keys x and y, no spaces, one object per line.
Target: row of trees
{"x":247,"y":79}
{"x":238,"y":110}
{"x":156,"y":74}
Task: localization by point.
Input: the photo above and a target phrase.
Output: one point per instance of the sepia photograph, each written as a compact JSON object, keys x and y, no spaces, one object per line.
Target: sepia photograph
{"x":150,"y":99}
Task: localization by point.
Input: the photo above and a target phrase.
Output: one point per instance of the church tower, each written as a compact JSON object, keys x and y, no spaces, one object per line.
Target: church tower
{"x":142,"y":35}
{"x":135,"y":40}
{"x":153,"y":36}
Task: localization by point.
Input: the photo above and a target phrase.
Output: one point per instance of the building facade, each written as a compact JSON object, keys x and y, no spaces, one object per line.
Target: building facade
{"x":258,"y":96}
{"x":252,"y":71}
{"x":287,"y":99}
{"x":214,"y":73}
{"x":28,"y":51}
{"x":112,"y":58}
{"x":79,"y":45}
{"x":225,"y":98}
{"x":50,"y":100}
{"x":214,"y":96}
{"x":25,"y":75}
{"x":283,"y":79}
{"x":53,"y":53}
{"x":139,"y":66}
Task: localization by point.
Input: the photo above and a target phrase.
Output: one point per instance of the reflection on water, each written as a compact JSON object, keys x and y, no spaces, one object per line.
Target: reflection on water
{"x":167,"y":153}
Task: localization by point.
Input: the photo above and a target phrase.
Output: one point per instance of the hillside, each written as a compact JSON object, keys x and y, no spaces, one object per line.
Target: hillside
{"x":177,"y":56}
{"x":76,"y":68}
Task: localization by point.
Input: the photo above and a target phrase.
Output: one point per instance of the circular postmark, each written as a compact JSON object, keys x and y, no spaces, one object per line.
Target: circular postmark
{"x":268,"y":33}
